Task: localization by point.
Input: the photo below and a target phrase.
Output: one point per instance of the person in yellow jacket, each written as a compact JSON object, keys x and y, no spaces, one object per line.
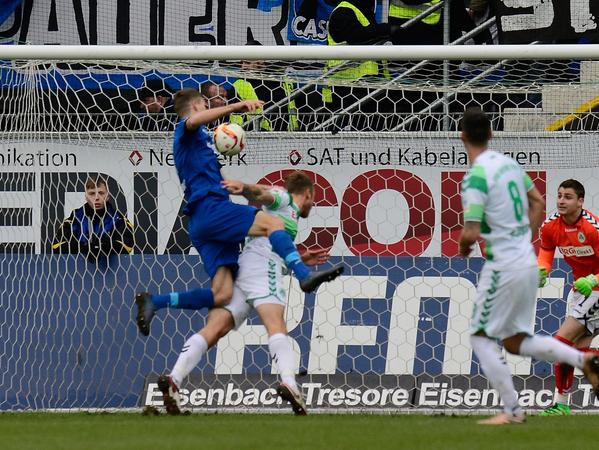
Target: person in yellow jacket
{"x":286,"y":118}
{"x":353,"y":22}
{"x":429,"y":30}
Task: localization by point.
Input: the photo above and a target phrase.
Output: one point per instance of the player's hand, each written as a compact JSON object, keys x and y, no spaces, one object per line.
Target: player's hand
{"x":586,"y":284}
{"x":233,"y":186}
{"x":465,"y":250}
{"x":315,"y":257}
{"x":542,"y":277}
{"x":249,"y":105}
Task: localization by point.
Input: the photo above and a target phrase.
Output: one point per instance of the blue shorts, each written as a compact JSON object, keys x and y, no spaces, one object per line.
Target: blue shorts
{"x":217,"y":227}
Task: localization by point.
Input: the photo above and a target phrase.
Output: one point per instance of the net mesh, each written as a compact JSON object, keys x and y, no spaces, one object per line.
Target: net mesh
{"x":391,"y":333}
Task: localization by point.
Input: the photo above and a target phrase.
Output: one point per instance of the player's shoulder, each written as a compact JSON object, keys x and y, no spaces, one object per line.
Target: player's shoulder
{"x":491,"y":161}
{"x":552,"y":222}
{"x":590,"y":219}
{"x":281,"y":197}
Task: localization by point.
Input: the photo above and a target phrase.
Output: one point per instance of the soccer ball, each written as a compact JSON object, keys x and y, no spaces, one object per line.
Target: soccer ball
{"x":229,"y":139}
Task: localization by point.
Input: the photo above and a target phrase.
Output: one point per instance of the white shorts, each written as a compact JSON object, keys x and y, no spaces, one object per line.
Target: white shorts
{"x":259,"y":282}
{"x":505,"y":302}
{"x":584,"y":309}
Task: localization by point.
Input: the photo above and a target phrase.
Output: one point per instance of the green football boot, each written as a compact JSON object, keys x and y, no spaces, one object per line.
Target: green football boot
{"x":558,"y":409}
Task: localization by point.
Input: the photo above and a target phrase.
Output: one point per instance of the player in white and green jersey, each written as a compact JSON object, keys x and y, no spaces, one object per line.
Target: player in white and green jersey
{"x":259,"y":284}
{"x":502,"y":205}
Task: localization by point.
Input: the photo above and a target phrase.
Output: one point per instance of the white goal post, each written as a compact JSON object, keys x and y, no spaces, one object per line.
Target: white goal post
{"x":385,"y":155}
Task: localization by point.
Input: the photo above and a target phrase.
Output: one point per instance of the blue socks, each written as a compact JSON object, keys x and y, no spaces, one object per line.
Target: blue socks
{"x":283,"y":245}
{"x":196,"y":299}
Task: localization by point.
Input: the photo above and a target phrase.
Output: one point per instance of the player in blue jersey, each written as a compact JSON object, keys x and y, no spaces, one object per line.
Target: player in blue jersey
{"x":218,"y":226}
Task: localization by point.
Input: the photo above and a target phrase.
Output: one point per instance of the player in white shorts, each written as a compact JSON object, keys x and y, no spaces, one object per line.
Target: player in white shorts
{"x":502,"y":205}
{"x":259,"y":284}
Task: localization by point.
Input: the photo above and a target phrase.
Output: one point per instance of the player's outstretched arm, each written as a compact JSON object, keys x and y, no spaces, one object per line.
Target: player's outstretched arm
{"x":253,"y":192}
{"x":536,"y":208}
{"x":206,"y":116}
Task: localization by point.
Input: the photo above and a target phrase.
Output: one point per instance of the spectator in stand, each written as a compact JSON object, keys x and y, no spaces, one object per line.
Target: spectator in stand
{"x":354,"y":23}
{"x":154,"y":109}
{"x":480,"y":11}
{"x":96,"y":229}
{"x":215,"y":96}
{"x":429,"y":30}
{"x":284,"y":118}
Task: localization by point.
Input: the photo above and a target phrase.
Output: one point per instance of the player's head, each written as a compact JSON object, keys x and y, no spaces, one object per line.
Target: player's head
{"x":570,"y":197}
{"x":96,"y":192}
{"x":301,"y":187}
{"x":476,"y":128}
{"x":187,"y":101}
{"x":214,"y":94}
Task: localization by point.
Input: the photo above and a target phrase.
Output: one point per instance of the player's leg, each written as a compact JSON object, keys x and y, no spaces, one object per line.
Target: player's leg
{"x":576,"y":331}
{"x":571,"y":333}
{"x":220,"y":322}
{"x":220,"y":262}
{"x":498,"y":373}
{"x":216,"y":228}
{"x":281,"y":352}
{"x":521,"y":341}
{"x":282,"y":244}
{"x":221,"y":221}
{"x":495,"y":315}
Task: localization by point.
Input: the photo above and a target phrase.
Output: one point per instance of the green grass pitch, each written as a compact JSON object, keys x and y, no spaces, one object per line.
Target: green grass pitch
{"x":251,"y":431}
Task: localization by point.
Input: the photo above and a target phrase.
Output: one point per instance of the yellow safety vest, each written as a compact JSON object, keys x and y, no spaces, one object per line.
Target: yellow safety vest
{"x":245,"y":91}
{"x":399,"y":10}
{"x":363,"y":69}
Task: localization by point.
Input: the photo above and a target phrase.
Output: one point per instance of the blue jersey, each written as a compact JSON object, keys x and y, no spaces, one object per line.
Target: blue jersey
{"x":196,"y":162}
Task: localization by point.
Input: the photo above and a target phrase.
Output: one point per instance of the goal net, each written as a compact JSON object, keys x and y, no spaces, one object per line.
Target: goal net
{"x":383,"y":149}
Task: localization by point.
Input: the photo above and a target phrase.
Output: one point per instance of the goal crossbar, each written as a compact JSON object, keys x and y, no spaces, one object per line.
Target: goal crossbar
{"x":299,"y":53}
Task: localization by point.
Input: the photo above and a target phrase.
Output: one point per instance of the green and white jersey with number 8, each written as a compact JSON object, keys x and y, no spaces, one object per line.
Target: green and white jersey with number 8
{"x":494,"y":193}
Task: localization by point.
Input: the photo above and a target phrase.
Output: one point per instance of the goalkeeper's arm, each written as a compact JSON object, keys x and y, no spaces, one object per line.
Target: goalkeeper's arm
{"x":544,"y":261}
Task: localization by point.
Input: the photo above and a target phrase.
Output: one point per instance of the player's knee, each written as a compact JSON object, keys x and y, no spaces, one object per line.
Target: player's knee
{"x":226,"y":327}
{"x":222,"y":295}
{"x":512,"y":345}
{"x":512,"y":348}
{"x":211,"y":335}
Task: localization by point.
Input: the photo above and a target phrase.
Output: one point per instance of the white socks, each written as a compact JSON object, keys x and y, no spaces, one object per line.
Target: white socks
{"x":284,"y":357}
{"x":497,"y":372}
{"x":563,"y":399}
{"x":549,"y":349}
{"x":194,"y":348}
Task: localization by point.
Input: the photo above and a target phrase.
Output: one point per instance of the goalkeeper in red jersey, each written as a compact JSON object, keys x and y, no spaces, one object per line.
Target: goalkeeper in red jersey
{"x":575,"y":232}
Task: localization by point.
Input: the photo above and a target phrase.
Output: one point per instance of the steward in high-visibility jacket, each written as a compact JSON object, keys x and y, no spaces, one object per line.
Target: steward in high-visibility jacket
{"x":353,"y":23}
{"x":408,"y":9}
{"x":270,"y":92}
{"x":429,"y":29}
